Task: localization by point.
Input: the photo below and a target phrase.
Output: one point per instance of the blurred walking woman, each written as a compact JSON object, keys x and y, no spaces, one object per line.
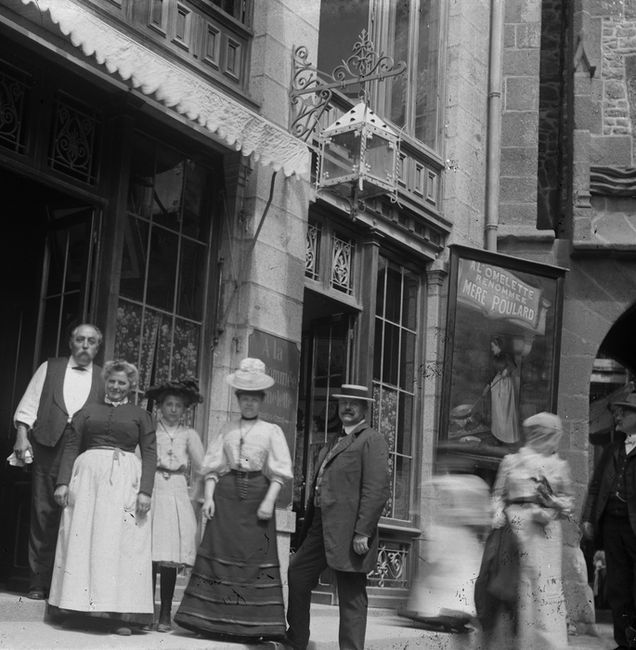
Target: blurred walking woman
{"x":103,"y":562}
{"x":532,"y":491}
{"x":235,"y":588}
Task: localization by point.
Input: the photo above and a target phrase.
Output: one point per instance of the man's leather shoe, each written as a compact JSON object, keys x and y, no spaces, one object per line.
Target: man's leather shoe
{"x":36,"y":593}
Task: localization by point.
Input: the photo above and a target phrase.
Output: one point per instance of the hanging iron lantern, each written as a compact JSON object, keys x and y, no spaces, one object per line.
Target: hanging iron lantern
{"x":358,"y":155}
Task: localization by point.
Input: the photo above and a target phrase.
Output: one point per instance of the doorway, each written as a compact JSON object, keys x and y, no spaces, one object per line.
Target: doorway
{"x":48,"y":254}
{"x":325,"y":364}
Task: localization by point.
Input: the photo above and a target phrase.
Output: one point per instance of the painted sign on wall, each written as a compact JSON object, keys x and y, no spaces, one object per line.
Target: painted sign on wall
{"x":282,"y":360}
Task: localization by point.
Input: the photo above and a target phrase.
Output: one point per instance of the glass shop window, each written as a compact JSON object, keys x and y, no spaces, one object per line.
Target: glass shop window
{"x":397,"y":304}
{"x":167,"y":241}
{"x":405,"y":30}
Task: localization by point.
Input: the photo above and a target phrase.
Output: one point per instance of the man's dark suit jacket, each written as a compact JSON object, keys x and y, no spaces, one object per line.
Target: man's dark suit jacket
{"x":602,"y":484}
{"x":353,"y":492}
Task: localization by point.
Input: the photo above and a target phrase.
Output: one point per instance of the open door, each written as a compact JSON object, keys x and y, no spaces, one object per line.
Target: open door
{"x":51,"y":250}
{"x":325,"y":366}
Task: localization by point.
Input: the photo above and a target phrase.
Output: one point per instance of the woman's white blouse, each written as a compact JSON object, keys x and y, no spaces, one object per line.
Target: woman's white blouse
{"x":264,"y":448}
{"x":520,"y":473}
{"x":175,"y":447}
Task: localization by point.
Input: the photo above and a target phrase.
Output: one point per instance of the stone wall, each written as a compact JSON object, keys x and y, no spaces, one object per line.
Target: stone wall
{"x":465,"y":119}
{"x":520,"y":119}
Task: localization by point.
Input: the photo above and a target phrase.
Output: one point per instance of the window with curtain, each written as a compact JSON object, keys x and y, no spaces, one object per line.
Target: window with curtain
{"x":163,"y":286}
{"x":406,"y":30}
{"x":395,"y":353}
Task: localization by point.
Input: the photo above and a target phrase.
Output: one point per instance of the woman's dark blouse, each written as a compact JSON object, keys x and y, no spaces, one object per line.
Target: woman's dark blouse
{"x":103,"y":425}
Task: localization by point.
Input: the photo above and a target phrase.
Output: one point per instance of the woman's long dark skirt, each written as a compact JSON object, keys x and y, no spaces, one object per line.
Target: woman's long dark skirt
{"x":235,"y":588}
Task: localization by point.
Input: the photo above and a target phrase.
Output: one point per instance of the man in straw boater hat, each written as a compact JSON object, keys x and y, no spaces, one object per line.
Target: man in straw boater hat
{"x":348,"y":495}
{"x":609,"y":518}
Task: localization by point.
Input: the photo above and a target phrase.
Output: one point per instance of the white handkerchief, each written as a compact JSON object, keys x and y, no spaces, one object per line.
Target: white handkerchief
{"x":18,"y":462}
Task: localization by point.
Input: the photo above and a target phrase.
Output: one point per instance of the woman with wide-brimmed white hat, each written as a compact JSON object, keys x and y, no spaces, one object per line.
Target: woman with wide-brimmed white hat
{"x":235,"y":590}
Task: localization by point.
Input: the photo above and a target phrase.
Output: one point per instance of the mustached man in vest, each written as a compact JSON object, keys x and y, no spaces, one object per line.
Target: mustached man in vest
{"x":348,"y":495}
{"x":58,"y":389}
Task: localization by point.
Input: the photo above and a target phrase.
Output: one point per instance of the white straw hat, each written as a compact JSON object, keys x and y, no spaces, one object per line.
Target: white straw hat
{"x":250,"y":376}
{"x":354,"y":391}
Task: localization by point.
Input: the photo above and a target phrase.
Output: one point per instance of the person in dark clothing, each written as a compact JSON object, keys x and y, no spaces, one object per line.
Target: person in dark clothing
{"x":348,"y":495}
{"x":609,"y":518}
{"x":58,"y":389}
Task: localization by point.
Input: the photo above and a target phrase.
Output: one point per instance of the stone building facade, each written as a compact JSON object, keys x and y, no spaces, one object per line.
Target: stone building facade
{"x":150,"y":164}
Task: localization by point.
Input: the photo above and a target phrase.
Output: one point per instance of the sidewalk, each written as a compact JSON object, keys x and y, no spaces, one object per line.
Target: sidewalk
{"x":22,"y":626}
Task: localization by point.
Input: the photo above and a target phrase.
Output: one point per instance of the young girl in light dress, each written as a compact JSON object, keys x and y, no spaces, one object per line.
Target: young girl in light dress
{"x":174,"y":524}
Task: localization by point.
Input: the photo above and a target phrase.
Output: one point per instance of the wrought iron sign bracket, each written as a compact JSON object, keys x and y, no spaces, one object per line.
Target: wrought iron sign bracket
{"x":309,"y":95}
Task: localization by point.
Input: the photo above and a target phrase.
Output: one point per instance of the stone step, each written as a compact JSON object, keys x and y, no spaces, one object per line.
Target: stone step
{"x":18,"y":608}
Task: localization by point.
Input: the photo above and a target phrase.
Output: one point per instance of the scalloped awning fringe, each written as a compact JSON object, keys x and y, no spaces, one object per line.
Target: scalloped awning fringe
{"x":178,"y":89}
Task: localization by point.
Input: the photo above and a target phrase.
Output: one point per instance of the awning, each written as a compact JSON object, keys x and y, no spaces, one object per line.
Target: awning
{"x":178,"y":88}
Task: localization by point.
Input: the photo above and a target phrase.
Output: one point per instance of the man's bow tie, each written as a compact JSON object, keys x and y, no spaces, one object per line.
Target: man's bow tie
{"x":82,"y":368}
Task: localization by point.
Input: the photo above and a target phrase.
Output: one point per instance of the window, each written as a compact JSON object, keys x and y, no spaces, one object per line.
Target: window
{"x":394,"y":375}
{"x":406,"y":30}
{"x":238,"y":9}
{"x":163,"y":286}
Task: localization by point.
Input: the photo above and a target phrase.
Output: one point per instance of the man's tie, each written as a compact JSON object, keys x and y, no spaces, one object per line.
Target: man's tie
{"x":79,"y":368}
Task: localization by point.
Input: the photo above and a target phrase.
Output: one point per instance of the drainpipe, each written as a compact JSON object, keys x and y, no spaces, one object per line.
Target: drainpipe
{"x":493,"y":144}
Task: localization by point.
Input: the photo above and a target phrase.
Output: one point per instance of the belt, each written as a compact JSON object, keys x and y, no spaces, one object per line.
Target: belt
{"x":167,"y":473}
{"x":245,"y":474}
{"x":523,"y":501}
{"x":242,"y":478}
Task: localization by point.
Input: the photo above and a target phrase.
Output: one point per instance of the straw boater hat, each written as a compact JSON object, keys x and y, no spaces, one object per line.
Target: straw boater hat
{"x":250,"y":376}
{"x":353,"y":391}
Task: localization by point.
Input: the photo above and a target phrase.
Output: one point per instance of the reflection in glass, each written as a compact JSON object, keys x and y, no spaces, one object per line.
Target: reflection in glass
{"x":341,"y":21}
{"x":196,"y":220}
{"x":407,"y":361}
{"x":391,"y":354}
{"x":405,"y":424}
{"x":393,"y":295}
{"x":427,"y":92}
{"x":398,"y":85}
{"x":402,"y":488}
{"x":133,"y":265}
{"x":409,"y":301}
{"x":142,"y":170}
{"x":168,"y":188}
{"x":162,"y":269}
{"x":380,"y":287}
{"x":191,"y":280}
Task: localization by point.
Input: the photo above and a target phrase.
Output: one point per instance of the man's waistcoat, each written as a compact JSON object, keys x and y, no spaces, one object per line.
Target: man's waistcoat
{"x":52,"y":415}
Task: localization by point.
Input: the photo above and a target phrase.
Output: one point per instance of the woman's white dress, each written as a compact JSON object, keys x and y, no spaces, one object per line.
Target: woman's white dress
{"x":174,"y":524}
{"x":541,"y":621}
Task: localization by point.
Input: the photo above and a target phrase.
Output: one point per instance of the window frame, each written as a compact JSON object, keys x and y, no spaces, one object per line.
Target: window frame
{"x":379,"y":383}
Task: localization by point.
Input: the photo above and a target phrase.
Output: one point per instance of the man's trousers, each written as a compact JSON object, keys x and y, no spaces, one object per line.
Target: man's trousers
{"x":45,"y":513}
{"x":305,"y":568}
{"x":619,"y":542}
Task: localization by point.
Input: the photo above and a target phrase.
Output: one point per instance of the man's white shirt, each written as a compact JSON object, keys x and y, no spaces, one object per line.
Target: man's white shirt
{"x":77,"y":386}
